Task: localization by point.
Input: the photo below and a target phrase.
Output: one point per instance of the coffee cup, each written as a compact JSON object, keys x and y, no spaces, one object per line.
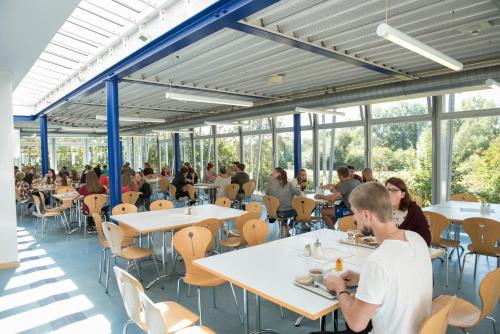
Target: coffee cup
{"x":317,"y":275}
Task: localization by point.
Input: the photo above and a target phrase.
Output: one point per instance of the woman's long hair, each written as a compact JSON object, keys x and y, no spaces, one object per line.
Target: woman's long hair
{"x":401,"y":185}
{"x":127,"y":181}
{"x":92,"y":183}
{"x":282,"y":178}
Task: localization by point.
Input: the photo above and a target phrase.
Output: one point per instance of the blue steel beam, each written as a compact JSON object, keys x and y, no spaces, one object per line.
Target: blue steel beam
{"x":297,"y":152}
{"x":248,"y":29}
{"x":44,"y":144}
{"x":24,"y":118}
{"x":177,"y":153}
{"x":115,"y":188}
{"x":212,"y":19}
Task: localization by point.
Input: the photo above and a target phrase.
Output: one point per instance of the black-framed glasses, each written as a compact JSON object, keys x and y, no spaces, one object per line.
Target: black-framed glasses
{"x":393,"y":190}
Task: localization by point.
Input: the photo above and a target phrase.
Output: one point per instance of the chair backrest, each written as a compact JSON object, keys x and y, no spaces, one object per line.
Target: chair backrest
{"x":213,"y":226}
{"x":418,"y":200}
{"x":37,"y":201}
{"x":304,"y":207}
{"x":347,"y":223}
{"x":130,"y":288}
{"x":254,"y":207}
{"x":98,"y":225}
{"x":232,"y":190}
{"x":114,"y":235}
{"x":155,"y":323}
{"x":484,"y":234}
{"x":241,"y":220}
{"x":255,"y":232}
{"x":192,"y":243}
{"x":163,"y":184}
{"x":63,"y":189}
{"x":437,"y":224}
{"x":95,"y":202}
{"x":130,"y":197}
{"x":223,"y":201}
{"x":249,"y":187}
{"x":489,"y":291}
{"x":123,"y":208}
{"x":42,"y":201}
{"x":18,"y":194}
{"x":272,"y":203}
{"x":464,"y":197}
{"x":191,"y":190}
{"x":172,"y":189}
{"x":161,"y":204}
{"x":437,"y":323}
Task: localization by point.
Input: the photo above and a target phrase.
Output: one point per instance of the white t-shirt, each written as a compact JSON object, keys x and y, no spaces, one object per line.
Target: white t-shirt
{"x":222,"y":182}
{"x":398,"y":277}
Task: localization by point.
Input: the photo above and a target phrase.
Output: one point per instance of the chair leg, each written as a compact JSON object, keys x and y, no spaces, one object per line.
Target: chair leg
{"x":462,"y":271}
{"x":179,"y":289}
{"x":447,"y":264}
{"x":458,"y":258}
{"x":136,"y":263}
{"x":236,"y":303}
{"x":107,"y":275}
{"x":199,"y":305}
{"x":281,"y":312}
{"x":158,"y":270}
{"x":475,"y":266}
{"x":493,"y":323}
{"x":213,"y":297}
{"x":100,"y":264}
{"x":124,"y":331}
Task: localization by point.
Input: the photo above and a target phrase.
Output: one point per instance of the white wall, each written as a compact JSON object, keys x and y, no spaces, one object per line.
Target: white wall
{"x":8,"y":224}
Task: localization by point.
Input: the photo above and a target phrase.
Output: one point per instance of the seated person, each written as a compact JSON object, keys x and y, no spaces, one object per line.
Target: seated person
{"x":180,"y":181}
{"x":367,"y":175}
{"x":209,"y":175}
{"x":300,"y":182}
{"x":407,"y":215}
{"x":92,"y":186}
{"x":352,"y":172}
{"x":145,"y":189}
{"x":148,"y":170}
{"x":221,"y":181}
{"x":395,"y":281}
{"x":128,"y":184}
{"x":241,"y":177}
{"x":342,"y":189}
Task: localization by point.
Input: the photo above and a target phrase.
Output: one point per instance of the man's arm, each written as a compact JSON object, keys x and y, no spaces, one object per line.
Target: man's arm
{"x":332,"y":197}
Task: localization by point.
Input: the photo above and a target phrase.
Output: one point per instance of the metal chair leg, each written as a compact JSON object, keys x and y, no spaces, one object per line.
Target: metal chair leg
{"x":158,"y":270}
{"x":179,"y":289}
{"x":462,"y":271}
{"x":281,"y":311}
{"x":199,"y":306}
{"x":493,"y":323}
{"x":124,"y":331}
{"x":136,"y":263}
{"x":213,"y":297}
{"x":236,"y":302}
{"x":447,"y":264}
{"x":100,"y":264}
{"x":475,"y":266}
{"x":107,"y":275}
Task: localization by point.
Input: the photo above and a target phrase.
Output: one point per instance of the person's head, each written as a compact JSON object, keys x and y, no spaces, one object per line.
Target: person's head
{"x":241,"y":167}
{"x":223,"y":170}
{"x":210,"y":167}
{"x":19,"y":176}
{"x":235,"y":163}
{"x":50,"y":173}
{"x":184,"y":170}
{"x":168,"y":171}
{"x":92,"y":183}
{"x":352,"y":170}
{"x":127,"y":164}
{"x":98,"y":166}
{"x":63,"y":180}
{"x":187,"y":164}
{"x":65,"y":168}
{"x":371,"y":206}
{"x":280,"y":175}
{"x":139,"y":178}
{"x":147,"y":165}
{"x":400,"y":197}
{"x":88,"y":167}
{"x":343,"y":173}
{"x":302,"y":177}
{"x":367,"y":175}
{"x":127,"y":181}
{"x":124,"y":170}
{"x":105,"y":169}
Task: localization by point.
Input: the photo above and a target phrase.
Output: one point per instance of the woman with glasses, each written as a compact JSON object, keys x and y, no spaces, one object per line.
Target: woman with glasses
{"x":405,"y":212}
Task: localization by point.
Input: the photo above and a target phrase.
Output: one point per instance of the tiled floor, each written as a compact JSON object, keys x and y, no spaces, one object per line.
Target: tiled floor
{"x":55,"y":290}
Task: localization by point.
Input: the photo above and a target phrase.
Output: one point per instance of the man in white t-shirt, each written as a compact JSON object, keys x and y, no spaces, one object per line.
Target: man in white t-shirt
{"x":395,"y":282}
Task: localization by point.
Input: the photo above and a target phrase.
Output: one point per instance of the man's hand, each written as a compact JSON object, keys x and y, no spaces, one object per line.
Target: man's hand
{"x":350,"y":278}
{"x":318,"y":196}
{"x":334,"y":283}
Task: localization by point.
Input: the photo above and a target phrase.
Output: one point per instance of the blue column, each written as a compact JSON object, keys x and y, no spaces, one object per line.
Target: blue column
{"x":115,"y":194}
{"x":44,"y":144}
{"x":177,"y":153}
{"x":297,"y":152}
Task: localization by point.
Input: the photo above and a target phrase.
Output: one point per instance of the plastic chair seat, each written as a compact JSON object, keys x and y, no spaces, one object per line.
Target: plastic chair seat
{"x":127,"y":241}
{"x":471,"y":249}
{"x":132,"y":253}
{"x":204,"y":279}
{"x":463,"y":314}
{"x":231,"y":242}
{"x":449,"y":243}
{"x":47,"y":214}
{"x":129,"y":232}
{"x":196,"y":330}
{"x":177,"y":315}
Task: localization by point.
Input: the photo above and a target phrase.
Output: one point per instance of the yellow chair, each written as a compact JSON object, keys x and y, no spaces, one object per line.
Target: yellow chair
{"x":437,"y":323}
{"x":484,"y":234}
{"x":347,"y":223}
{"x":94,"y":203}
{"x":238,"y":240}
{"x":466,"y":315}
{"x":122,"y":209}
{"x":437,"y":224}
{"x":161,"y":204}
{"x":223,"y":201}
{"x":304,"y":207}
{"x":164,"y":184}
{"x":42,"y":216}
{"x":249,"y":188}
{"x":272,"y":204}
{"x":191,"y":190}
{"x":213,"y":225}
{"x":175,"y":316}
{"x":232,"y":191}
{"x":255,"y":232}
{"x":192,"y":243}
{"x":464,"y":197}
{"x":115,"y":236}
{"x":63,"y":189}
{"x":158,"y":323}
{"x":173,"y":193}
{"x":130,"y":197}
{"x":254,"y":207}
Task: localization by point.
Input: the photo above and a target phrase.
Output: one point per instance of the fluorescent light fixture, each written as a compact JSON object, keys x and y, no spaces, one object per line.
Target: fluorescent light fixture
{"x":225,"y":124}
{"x":492,"y":84}
{"x":81,"y":129}
{"x":207,"y":99}
{"x":386,"y":31}
{"x":172,"y":131}
{"x":132,"y":119}
{"x":319,"y":111}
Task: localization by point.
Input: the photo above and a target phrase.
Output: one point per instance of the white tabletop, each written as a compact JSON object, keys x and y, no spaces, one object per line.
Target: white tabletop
{"x":152,"y":180}
{"x":318,"y":200}
{"x":162,"y":220}
{"x":206,"y":186}
{"x":269,"y":270}
{"x":67,"y":196}
{"x":458,"y":211}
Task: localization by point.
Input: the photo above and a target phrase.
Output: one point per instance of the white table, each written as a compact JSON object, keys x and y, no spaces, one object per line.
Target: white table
{"x":169,"y":220}
{"x":269,"y":270}
{"x":211,"y":187}
{"x":318,"y":200}
{"x":457,"y":211}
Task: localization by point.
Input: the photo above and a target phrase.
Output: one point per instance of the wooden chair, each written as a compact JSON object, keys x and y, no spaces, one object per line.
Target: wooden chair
{"x":94,"y":203}
{"x":255,"y":232}
{"x":254,"y":207}
{"x":164,"y":185}
{"x":42,"y":216}
{"x":122,"y":209}
{"x":223,"y":201}
{"x":173,"y":193}
{"x":347,"y":223}
{"x":437,"y":323}
{"x":249,"y":188}
{"x":238,"y":240}
{"x":437,"y":224}
{"x":232,"y":192}
{"x":272,"y":204}
{"x":63,"y":189}
{"x":161,"y":204}
{"x":304,"y":207}
{"x":21,"y":203}
{"x":127,"y":241}
{"x":191,"y":190}
{"x":484,"y":234}
{"x":176,"y":316}
{"x":157,"y":322}
{"x":192,"y":243}
{"x":114,"y":234}
{"x":466,"y":315}
{"x":130,"y":197}
{"x":213,"y":226}
{"x":464,"y":197}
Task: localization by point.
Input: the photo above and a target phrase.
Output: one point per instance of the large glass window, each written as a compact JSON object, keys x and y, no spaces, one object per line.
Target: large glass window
{"x":204,"y":154}
{"x":285,"y":152}
{"x":477,"y":100}
{"x":307,"y":156}
{"x":228,"y":150}
{"x":259,"y":158}
{"x":411,"y":107}
{"x":70,"y":153}
{"x":98,"y":150}
{"x":350,"y":114}
{"x":30,"y":152}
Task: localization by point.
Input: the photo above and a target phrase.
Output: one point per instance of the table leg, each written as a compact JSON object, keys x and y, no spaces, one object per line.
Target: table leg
{"x":245,"y":310}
